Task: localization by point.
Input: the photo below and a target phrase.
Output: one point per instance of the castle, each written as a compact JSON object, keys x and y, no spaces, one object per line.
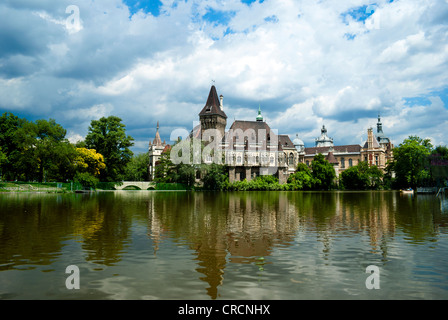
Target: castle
{"x":252,"y":148}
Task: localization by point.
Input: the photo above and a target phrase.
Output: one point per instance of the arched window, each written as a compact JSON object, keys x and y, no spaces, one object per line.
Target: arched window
{"x":291,"y":159}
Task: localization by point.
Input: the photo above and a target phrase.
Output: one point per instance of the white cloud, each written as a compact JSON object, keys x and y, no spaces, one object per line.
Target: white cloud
{"x":306,"y":63}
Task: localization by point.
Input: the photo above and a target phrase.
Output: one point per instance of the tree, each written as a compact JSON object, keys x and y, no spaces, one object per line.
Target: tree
{"x":108,"y":137}
{"x":163,"y":172}
{"x":441,"y":151}
{"x":3,"y":159}
{"x":12,"y":146}
{"x":52,"y":150}
{"x":302,"y":179}
{"x":87,"y":180}
{"x":216,"y":177}
{"x":362,"y":177}
{"x":411,"y":161}
{"x":322,"y":172}
{"x":36,"y":150}
{"x":89,"y":161}
{"x":137,"y":168}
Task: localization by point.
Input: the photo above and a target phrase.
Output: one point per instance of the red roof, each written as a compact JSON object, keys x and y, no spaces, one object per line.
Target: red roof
{"x":330,"y":158}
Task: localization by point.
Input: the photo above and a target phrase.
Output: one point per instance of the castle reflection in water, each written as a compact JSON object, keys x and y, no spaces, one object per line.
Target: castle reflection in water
{"x":246,"y":227}
{"x":218,"y":241}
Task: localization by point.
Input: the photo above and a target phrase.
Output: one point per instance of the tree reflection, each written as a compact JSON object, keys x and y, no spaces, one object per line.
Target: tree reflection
{"x":222,"y":229}
{"x":240,"y":227}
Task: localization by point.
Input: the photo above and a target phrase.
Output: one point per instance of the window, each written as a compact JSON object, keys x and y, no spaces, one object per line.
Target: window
{"x":238,"y":159}
{"x":272,"y":160}
{"x":376,"y":160}
{"x":342,"y":163}
{"x":307,"y":163}
{"x":350,"y":163}
{"x":291,"y":159}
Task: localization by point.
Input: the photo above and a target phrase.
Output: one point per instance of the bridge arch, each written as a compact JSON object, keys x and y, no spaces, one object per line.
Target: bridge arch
{"x":142,"y":185}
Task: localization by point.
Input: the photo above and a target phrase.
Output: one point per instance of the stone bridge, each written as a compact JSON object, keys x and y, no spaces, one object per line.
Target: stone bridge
{"x":142,"y":185}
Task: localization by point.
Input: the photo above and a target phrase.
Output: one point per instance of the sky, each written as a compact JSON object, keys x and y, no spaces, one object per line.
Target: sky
{"x":304,"y":63}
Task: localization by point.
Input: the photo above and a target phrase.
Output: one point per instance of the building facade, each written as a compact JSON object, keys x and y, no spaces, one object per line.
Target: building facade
{"x":249,"y":148}
{"x":377,"y":150}
{"x":252,"y":148}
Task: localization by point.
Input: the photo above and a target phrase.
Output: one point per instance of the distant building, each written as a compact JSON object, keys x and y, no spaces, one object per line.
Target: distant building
{"x":341,"y":157}
{"x":156,"y":148}
{"x":377,"y":150}
{"x":252,"y":148}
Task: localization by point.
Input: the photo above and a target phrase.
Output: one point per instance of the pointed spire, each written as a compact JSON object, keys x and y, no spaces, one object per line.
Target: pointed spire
{"x":157,"y":141}
{"x":259,"y":117}
{"x":213,"y":104}
{"x":379,"y":125}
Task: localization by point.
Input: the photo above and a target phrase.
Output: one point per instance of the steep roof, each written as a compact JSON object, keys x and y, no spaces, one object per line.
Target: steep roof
{"x":285,"y":141}
{"x":157,"y":141}
{"x":375,"y":144}
{"x":213,"y":105}
{"x":330,"y":158}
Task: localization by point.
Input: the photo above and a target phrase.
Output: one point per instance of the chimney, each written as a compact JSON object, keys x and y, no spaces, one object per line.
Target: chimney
{"x":369,"y":138}
{"x":221,"y":97}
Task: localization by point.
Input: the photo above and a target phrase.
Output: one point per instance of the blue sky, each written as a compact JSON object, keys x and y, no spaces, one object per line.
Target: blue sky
{"x":306,"y":63}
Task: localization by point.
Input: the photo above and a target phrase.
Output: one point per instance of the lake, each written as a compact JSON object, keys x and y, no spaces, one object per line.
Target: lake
{"x":224,"y":245}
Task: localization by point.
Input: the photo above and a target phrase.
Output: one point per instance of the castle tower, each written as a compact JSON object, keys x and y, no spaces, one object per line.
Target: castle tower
{"x":155,"y":150}
{"x":259,"y":117}
{"x":324,"y":140}
{"x":212,"y":115}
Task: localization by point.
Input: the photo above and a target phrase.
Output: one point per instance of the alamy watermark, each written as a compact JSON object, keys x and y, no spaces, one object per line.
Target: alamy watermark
{"x":373,"y":23}
{"x":73,"y":280}
{"x":237,"y":147}
{"x":373,"y":280}
{"x":73,"y":21}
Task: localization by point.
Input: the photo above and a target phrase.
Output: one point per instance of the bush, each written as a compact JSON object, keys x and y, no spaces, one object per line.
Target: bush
{"x":362,"y":177}
{"x":86,"y":180}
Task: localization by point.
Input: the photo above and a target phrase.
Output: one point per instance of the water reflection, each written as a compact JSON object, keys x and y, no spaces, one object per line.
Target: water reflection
{"x":244,"y":227}
{"x":221,"y":230}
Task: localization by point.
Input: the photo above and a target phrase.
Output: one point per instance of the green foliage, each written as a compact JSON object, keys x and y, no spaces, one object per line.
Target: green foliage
{"x":163,"y":172}
{"x":108,"y":137}
{"x":302,"y":179}
{"x":260,"y":183}
{"x":35,"y":150}
{"x":171,"y":186}
{"x":137,"y":168}
{"x":216,"y":177}
{"x":411,"y":161}
{"x":440,"y":152}
{"x":322,"y":172}
{"x":87,"y":180}
{"x":362,"y":177}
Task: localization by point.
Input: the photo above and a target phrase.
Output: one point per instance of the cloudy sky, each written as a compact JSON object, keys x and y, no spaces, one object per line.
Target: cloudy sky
{"x":305,"y":63}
